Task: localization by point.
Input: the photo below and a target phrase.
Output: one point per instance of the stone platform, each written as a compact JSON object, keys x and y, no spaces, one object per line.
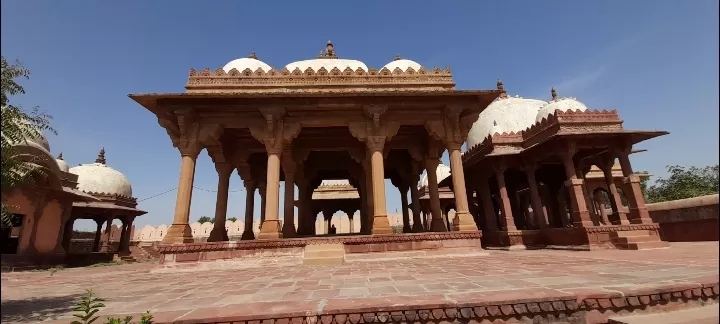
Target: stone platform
{"x":505,"y":286}
{"x":295,"y":247}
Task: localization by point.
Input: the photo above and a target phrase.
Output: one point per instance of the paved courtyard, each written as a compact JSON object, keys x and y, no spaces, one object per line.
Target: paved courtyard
{"x":227,"y":288}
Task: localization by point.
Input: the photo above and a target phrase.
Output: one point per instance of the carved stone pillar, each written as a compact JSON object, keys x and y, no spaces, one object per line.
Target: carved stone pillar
{"x":366,"y":225}
{"x":540,"y":219}
{"x":636,"y":201}
{"x":98,"y":235}
{"x":124,"y":248}
{"x":602,"y":208}
{"x":415,"y":197}
{"x":463,"y":219}
{"x":180,"y":232}
{"x":436,"y":223}
{"x":380,"y":224}
{"x":580,"y":213}
{"x":105,"y":245}
{"x":219,"y":233}
{"x":488,"y":211}
{"x":289,"y":168}
{"x":619,"y":217}
{"x":248,"y":233}
{"x":507,"y":222}
{"x":67,"y":234}
{"x":404,"y":203}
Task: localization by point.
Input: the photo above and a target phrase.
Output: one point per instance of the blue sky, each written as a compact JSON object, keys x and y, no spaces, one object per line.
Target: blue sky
{"x":654,"y":61}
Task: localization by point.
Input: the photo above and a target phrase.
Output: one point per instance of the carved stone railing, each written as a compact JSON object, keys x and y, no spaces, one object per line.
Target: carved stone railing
{"x":322,"y":80}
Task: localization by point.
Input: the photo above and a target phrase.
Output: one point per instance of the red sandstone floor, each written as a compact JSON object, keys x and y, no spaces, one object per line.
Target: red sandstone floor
{"x":227,"y":288}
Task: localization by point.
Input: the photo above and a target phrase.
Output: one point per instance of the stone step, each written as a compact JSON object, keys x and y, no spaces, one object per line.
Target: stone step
{"x":642,"y":245}
{"x":630,"y":233}
{"x":324,"y":254}
{"x":696,"y":315}
{"x":635,"y":239}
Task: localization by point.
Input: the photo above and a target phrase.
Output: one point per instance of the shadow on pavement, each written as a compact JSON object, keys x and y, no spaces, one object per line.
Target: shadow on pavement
{"x":37,"y":309}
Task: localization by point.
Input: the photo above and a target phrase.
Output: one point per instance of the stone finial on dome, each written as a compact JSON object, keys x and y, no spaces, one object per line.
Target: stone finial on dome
{"x":397,"y":57}
{"x":501,"y":87}
{"x":330,"y":49}
{"x":60,"y":156}
{"x":253,"y":56}
{"x":101,"y":156}
{"x":554,"y":94}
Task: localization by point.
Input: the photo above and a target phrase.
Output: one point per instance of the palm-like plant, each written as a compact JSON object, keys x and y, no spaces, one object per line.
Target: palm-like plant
{"x":17,"y":127}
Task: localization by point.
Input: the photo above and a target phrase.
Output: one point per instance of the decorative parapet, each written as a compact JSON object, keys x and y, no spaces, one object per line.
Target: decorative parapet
{"x":320,"y":81}
{"x":114,"y":198}
{"x":560,"y":122}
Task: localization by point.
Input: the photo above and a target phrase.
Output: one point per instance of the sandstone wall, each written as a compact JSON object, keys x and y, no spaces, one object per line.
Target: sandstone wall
{"x":687,"y":220}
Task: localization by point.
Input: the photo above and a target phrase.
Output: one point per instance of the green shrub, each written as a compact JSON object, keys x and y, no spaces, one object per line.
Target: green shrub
{"x":89,"y":305}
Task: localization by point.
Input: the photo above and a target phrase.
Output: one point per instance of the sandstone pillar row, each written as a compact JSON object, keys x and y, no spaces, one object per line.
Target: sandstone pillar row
{"x":580,"y":213}
{"x":404,"y":203}
{"x":219,"y":233}
{"x":636,"y":201}
{"x":275,"y":134}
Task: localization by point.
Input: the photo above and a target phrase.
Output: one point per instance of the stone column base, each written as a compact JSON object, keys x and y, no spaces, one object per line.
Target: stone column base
{"x":464,"y":222}
{"x":437,"y":225}
{"x":178,"y":234}
{"x":288,"y":230}
{"x":381,"y":225}
{"x":270,"y":230}
{"x":247,"y":235}
{"x":218,"y":235}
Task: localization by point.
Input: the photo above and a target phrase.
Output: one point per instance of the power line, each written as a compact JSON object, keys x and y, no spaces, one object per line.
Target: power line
{"x":173,"y":189}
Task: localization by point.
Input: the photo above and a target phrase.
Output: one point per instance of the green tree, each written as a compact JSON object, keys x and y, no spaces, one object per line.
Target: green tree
{"x":205,"y":219}
{"x":17,"y":126}
{"x":232,"y":219}
{"x":684,"y":183}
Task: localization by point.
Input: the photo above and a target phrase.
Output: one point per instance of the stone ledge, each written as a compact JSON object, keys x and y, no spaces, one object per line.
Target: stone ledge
{"x":538,"y":305}
{"x":301,"y":242}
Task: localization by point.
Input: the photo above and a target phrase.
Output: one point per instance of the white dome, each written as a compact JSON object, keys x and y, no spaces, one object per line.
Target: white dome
{"x":64,"y":167}
{"x":100,"y":178}
{"x":563,"y":104}
{"x":442,"y":172}
{"x":251,"y":63}
{"x":328,"y":64}
{"x":504,"y":115}
{"x":403,"y":64}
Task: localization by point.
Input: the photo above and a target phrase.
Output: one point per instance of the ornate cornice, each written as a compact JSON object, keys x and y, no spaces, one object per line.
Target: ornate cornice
{"x":322,"y":80}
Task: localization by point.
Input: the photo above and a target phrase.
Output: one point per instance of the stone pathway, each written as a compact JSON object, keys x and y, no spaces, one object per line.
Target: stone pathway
{"x":279,"y":285}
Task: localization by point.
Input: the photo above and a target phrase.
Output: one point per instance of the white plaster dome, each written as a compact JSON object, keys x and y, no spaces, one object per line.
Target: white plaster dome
{"x":504,"y":115}
{"x":64,"y":167}
{"x":442,"y":172}
{"x":562,"y":104}
{"x":251,"y":62}
{"x":327,"y":60}
{"x":100,"y":178}
{"x":403,"y":64}
{"x":328,"y":64}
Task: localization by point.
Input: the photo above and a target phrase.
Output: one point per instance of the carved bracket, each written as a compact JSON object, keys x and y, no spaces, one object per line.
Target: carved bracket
{"x":453,"y":129}
{"x":374,"y":131}
{"x":274,"y":133}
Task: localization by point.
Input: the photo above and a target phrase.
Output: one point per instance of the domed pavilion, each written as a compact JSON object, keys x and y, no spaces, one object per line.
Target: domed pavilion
{"x":325,"y":119}
{"x":46,"y":209}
